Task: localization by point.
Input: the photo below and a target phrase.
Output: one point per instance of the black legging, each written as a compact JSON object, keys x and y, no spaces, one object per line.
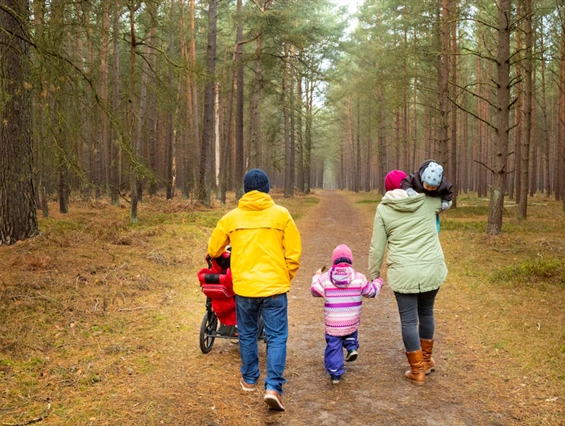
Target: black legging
{"x":416,"y":309}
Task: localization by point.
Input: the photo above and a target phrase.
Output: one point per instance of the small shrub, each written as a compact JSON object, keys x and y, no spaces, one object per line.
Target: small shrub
{"x":456,"y":225}
{"x":311,"y":200}
{"x":551,"y":270}
{"x":467,"y":211}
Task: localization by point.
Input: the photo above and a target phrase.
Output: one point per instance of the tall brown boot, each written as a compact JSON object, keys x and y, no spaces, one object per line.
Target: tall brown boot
{"x":416,"y":373}
{"x":429,"y":363}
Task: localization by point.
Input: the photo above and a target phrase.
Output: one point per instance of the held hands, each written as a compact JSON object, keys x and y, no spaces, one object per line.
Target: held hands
{"x":445,"y":205}
{"x":378,"y":283}
{"x":411,"y":192}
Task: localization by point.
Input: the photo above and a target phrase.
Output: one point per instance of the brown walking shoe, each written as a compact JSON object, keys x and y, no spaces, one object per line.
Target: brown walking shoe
{"x":246,"y":386}
{"x":274,"y":400}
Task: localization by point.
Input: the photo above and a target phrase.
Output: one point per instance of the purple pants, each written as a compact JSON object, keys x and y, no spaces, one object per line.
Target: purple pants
{"x":333,"y":357}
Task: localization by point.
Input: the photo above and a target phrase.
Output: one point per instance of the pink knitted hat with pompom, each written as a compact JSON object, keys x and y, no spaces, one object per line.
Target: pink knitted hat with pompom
{"x":342,"y":254}
{"x":393,"y":179}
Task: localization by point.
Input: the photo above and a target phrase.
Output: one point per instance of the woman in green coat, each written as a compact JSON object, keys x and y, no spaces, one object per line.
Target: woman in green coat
{"x":415,"y":267}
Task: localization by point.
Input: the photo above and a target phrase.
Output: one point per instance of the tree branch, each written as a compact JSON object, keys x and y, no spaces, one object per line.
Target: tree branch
{"x":43,"y":416}
{"x":486,"y":24}
{"x":464,"y":88}
{"x":262,"y":9}
{"x":483,"y":164}
{"x":480,"y":55}
{"x":472,"y":114}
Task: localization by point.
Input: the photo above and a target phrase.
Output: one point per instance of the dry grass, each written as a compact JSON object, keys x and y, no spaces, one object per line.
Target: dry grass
{"x":501,"y":312}
{"x":101,"y":317}
{"x":93,"y":309}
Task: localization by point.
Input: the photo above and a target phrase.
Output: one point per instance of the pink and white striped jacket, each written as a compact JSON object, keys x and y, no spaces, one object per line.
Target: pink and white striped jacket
{"x":343,"y":288}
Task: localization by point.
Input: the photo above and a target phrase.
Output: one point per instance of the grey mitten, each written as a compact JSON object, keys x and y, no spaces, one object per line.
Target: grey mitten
{"x":445,"y":205}
{"x":411,"y":192}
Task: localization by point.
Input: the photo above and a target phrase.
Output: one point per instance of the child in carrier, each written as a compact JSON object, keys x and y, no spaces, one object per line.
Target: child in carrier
{"x":342,"y":287}
{"x":429,"y":180}
{"x":216,"y":283}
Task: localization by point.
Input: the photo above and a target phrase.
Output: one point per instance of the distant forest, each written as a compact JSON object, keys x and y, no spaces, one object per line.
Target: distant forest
{"x":127,"y":98}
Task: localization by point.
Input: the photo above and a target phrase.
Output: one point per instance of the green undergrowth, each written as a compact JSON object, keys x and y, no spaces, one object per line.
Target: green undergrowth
{"x":532,"y":272}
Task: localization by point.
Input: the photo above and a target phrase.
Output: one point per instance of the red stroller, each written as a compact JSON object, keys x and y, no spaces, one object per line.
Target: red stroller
{"x":216,"y":284}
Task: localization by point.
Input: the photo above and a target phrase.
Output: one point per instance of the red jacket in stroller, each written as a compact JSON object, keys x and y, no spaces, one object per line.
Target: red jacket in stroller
{"x":216,"y":283}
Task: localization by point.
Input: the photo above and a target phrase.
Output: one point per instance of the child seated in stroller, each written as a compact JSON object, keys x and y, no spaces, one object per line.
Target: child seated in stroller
{"x":216,"y":284}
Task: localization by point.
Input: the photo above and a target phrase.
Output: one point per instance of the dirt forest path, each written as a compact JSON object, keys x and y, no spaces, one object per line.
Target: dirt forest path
{"x":372,"y":391}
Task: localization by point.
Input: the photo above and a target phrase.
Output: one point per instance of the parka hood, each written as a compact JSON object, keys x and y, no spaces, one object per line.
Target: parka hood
{"x":341,"y":275}
{"x":399,"y":200}
{"x":255,"y":200}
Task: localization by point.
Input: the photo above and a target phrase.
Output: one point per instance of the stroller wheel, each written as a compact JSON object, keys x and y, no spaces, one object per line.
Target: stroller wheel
{"x":208,"y":331}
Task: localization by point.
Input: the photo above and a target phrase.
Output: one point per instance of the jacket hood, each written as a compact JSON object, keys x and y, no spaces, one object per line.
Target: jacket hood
{"x":399,"y":200}
{"x":341,"y":275}
{"x":255,"y":200}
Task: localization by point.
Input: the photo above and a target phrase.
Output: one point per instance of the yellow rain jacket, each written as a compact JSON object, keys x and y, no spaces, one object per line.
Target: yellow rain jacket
{"x":265,"y":245}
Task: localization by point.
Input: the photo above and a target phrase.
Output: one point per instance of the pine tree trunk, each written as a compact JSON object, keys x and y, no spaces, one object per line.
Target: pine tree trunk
{"x":292,"y":123}
{"x":18,"y":216}
{"x":496,"y":206}
{"x":308,"y":135}
{"x":239,"y":105}
{"x":185,"y":105}
{"x":227,"y":146}
{"x":443,"y":88}
{"x":382,"y":141}
{"x":546,"y":136}
{"x":288,"y":190}
{"x":104,"y":71}
{"x":357,"y":166}
{"x":194,"y":88}
{"x":255,"y":135}
{"x":560,"y":148}
{"x":369,"y":150}
{"x":169,"y":114}
{"x":152,"y":113}
{"x":204,"y":188}
{"x":453,"y":167}
{"x":130,"y":121}
{"x":300,"y":144}
{"x":534,"y":169}
{"x":113,"y":153}
{"x":526,"y":137}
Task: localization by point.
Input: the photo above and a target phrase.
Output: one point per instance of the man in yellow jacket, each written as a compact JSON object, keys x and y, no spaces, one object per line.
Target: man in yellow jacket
{"x":265,"y":254}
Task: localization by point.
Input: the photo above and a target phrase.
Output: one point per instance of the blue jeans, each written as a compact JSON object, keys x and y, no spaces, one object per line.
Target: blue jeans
{"x":416,"y":317}
{"x":333,"y":357}
{"x":275,"y":317}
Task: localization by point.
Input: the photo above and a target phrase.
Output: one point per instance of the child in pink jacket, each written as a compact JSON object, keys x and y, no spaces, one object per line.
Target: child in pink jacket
{"x":343,"y":288}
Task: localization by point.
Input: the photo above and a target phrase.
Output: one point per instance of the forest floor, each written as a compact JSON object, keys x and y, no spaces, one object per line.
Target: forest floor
{"x":100,"y":320}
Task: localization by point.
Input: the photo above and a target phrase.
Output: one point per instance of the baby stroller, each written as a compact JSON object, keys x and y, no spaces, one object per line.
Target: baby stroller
{"x":219,"y":320}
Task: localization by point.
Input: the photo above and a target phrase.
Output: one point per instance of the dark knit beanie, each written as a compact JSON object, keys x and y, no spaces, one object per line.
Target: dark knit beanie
{"x":256,"y":179}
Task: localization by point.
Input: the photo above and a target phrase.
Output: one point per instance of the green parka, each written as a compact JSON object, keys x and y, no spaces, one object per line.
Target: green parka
{"x":415,"y":262}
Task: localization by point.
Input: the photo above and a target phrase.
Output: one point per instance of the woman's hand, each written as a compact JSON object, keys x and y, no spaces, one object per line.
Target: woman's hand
{"x":379,"y":283}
